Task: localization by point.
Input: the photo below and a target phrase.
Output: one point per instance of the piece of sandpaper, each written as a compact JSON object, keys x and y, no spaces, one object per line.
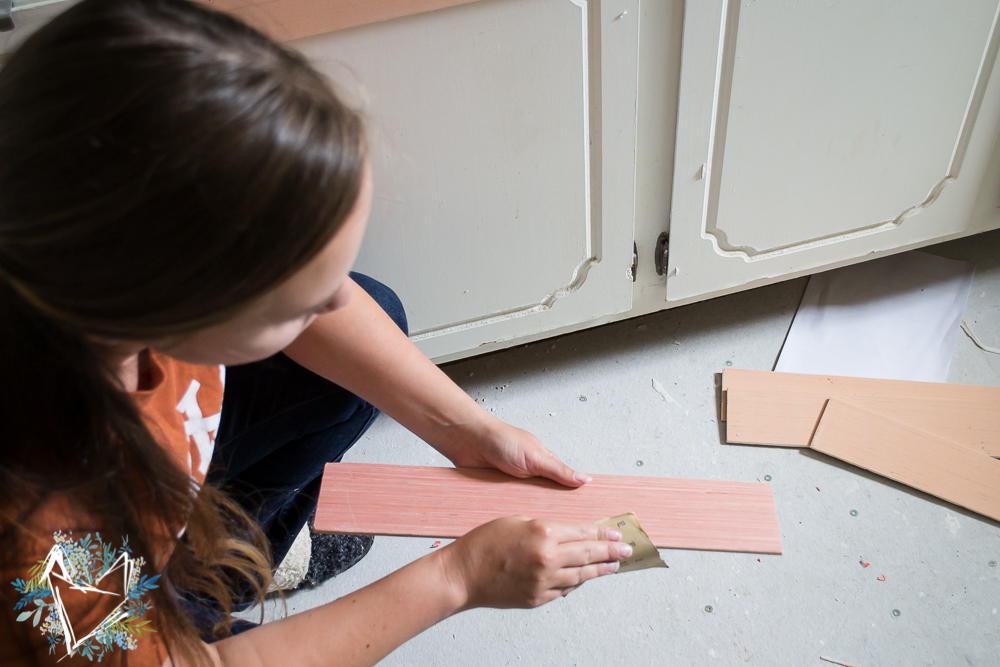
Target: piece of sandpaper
{"x":644,"y":554}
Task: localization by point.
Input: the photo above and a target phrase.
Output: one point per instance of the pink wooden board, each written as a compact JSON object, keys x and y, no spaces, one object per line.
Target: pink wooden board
{"x":711,"y":515}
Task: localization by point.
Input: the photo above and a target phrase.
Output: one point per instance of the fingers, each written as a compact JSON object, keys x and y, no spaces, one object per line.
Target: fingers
{"x":568,"y":579}
{"x":566,"y":591}
{"x":577,"y":554}
{"x":570,"y":531}
{"x":547,"y":464}
{"x":573,"y":577}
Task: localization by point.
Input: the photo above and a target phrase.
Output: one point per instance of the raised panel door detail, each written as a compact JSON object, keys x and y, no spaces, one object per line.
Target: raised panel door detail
{"x":806,"y":127}
{"x":486,"y":125}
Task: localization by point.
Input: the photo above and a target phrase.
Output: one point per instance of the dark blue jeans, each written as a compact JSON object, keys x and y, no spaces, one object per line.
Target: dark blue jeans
{"x":281,"y":424}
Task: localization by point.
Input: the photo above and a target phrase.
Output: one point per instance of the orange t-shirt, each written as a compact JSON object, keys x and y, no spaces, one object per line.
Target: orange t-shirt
{"x":181,"y":404}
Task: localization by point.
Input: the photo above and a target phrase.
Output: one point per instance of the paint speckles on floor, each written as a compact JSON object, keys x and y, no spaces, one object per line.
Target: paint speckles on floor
{"x":936,"y":558}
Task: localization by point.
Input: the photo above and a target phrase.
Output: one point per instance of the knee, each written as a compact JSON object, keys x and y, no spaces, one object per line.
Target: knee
{"x":385,"y":298}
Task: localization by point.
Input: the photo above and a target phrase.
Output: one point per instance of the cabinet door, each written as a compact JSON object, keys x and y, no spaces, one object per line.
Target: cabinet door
{"x":503,"y":151}
{"x":814,"y":133}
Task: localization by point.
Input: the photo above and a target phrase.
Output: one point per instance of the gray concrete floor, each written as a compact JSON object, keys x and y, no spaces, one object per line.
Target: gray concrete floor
{"x":814,"y":600}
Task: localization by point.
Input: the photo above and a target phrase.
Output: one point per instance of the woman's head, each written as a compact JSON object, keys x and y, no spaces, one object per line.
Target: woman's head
{"x":269,"y":323}
{"x":164,"y":168}
{"x":169,"y":176}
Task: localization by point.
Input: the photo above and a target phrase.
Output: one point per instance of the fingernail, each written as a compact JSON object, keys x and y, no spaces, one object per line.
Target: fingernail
{"x":624,"y":550}
{"x":612,"y":567}
{"x":581,"y":477}
{"x":614,"y":535}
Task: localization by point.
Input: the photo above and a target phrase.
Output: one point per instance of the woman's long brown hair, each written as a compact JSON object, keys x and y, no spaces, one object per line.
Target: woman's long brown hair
{"x":161,"y":165}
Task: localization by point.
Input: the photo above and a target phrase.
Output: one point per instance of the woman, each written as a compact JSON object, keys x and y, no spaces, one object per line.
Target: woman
{"x":181,"y":201}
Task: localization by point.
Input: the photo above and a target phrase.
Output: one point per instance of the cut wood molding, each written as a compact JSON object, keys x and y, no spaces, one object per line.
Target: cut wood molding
{"x":909,"y":456}
{"x":788,"y":419}
{"x":783,"y":408}
{"x":832,"y":385}
{"x":426,"y":501}
{"x":284,"y":20}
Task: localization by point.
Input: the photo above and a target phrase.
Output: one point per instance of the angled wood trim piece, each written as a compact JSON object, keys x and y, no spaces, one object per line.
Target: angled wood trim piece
{"x":448,"y":502}
{"x":788,"y":419}
{"x":284,"y":20}
{"x":909,"y":456}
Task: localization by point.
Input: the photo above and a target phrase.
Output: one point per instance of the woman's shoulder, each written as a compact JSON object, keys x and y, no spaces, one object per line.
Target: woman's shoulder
{"x":70,"y":588}
{"x":181,"y":404}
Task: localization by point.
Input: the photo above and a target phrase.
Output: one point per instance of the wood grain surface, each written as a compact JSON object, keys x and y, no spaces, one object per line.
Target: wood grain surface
{"x":448,"y":502}
{"x":832,"y":385}
{"x":909,"y":456}
{"x":789,"y":418}
{"x":285,"y":20}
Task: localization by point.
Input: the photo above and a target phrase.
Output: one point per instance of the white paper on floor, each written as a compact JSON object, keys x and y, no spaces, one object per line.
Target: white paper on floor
{"x":891,"y":318}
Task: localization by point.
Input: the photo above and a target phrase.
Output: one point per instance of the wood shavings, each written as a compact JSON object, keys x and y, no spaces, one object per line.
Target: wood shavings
{"x":659,"y":389}
{"x":975,"y":339}
{"x":838,"y":662}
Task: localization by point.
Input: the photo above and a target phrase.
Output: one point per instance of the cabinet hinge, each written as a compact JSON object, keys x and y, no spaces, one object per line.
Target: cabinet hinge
{"x":635,"y":260}
{"x":661,"y":253}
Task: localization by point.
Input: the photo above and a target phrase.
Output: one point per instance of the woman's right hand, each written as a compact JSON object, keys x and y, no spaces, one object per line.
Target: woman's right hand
{"x":511,"y":562}
{"x":522,"y":562}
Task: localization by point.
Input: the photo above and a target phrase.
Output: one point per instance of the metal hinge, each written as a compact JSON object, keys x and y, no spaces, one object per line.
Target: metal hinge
{"x":6,"y":20}
{"x":661,"y":253}
{"x":635,"y":260}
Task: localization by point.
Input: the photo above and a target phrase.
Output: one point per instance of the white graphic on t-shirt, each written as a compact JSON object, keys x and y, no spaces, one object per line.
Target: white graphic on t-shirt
{"x":198,"y":427}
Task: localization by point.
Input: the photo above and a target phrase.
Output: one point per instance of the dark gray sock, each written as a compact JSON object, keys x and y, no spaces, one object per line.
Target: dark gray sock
{"x":333,"y":554}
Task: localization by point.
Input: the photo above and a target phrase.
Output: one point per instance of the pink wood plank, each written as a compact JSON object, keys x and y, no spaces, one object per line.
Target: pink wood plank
{"x":425,"y":501}
{"x":285,"y":20}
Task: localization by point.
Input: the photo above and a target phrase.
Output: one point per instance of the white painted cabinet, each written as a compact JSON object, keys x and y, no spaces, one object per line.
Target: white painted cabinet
{"x":520,"y":146}
{"x":808,"y":135}
{"x":811,"y":133}
{"x":504,"y":161}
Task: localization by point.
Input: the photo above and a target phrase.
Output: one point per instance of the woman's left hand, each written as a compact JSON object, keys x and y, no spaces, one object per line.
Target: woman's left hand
{"x":516,"y":452}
